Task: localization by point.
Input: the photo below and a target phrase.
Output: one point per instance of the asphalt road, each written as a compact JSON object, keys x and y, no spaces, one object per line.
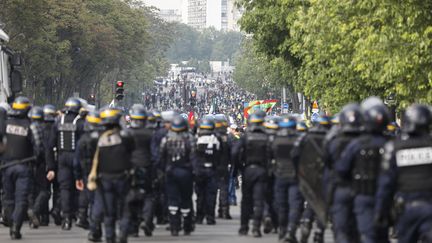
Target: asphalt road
{"x":223,"y":231}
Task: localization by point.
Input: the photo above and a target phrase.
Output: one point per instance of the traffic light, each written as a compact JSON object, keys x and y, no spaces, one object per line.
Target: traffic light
{"x":119,"y":90}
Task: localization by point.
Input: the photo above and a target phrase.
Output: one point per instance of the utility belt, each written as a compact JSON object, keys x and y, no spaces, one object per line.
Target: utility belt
{"x":8,"y":164}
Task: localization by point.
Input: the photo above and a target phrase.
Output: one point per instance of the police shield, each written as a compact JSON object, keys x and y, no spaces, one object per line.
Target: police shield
{"x":310,"y":173}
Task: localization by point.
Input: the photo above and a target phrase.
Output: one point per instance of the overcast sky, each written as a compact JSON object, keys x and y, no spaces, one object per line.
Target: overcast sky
{"x":165,"y":4}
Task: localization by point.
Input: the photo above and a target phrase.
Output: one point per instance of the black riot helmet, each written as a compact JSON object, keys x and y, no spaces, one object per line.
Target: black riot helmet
{"x":92,"y":121}
{"x":417,"y":119}
{"x":36,"y":113}
{"x":138,"y":116}
{"x":179,"y":124}
{"x":73,"y":105}
{"x":351,"y":118}
{"x":49,"y":113}
{"x":271,"y":124}
{"x":20,"y":106}
{"x":206,"y":126}
{"x":376,"y":115}
{"x":110,"y":116}
{"x":221,"y":123}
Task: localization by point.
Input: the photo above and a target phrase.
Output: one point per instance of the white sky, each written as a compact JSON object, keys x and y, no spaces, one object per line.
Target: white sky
{"x":165,"y":4}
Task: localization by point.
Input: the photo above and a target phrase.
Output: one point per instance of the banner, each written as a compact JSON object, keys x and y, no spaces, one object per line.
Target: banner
{"x":265,"y":105}
{"x":191,"y":119}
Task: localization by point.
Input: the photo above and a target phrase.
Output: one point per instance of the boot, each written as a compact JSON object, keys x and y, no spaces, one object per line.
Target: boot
{"x":305,"y":231}
{"x":82,"y":221}
{"x":44,"y":220}
{"x":122,"y":238}
{"x":33,"y":219}
{"x":256,"y":232}
{"x":95,"y":234}
{"x":14,"y":232}
{"x":67,"y":224}
{"x":110,"y":240}
{"x":174,"y":232}
{"x":268,"y":225}
{"x":148,"y":229}
{"x":318,"y":237}
{"x":243,"y":231}
{"x":210,"y":220}
{"x":291,"y":236}
{"x":226,"y":214}
{"x":282,"y":234}
{"x":55,"y":213}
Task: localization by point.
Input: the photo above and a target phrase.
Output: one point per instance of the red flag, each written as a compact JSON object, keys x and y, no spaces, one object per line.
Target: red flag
{"x":191,"y":119}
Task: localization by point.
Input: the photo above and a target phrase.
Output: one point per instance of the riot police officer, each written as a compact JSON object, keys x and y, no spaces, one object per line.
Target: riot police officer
{"x":288,"y":198}
{"x":23,"y":145}
{"x":64,"y":138}
{"x":221,"y":125}
{"x":252,"y":149}
{"x":208,"y":156}
{"x":40,"y":191}
{"x":49,"y":117}
{"x":360,"y":166}
{"x":176,"y":159}
{"x":141,"y":198}
{"x":339,"y":195}
{"x":308,"y":158}
{"x":83,"y":161}
{"x":406,"y":174}
{"x":110,"y":173}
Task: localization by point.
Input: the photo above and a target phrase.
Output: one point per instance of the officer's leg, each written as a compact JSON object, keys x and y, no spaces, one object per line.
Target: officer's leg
{"x":295,"y":202}
{"x":42,"y":198}
{"x":341,"y":212}
{"x":174,"y":199}
{"x":106,"y":189}
{"x":268,"y":206}
{"x":147,"y":213}
{"x":211,"y":194}
{"x":122,"y":187}
{"x":83,"y":203}
{"x":56,"y":200}
{"x":258,"y":200}
{"x":200,"y":184}
{"x":66,"y":186}
{"x":9,"y":195}
{"x":363,"y":209}
{"x":223,"y":183}
{"x":407,"y":225}
{"x":425,"y":230}
{"x":246,"y":201}
{"x":281,"y":196}
{"x":96,"y":215}
{"x":186,"y":205}
{"x":22,"y":189}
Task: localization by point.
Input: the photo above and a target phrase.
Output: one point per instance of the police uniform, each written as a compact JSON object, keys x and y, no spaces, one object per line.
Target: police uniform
{"x":23,"y":144}
{"x":406,"y":177}
{"x":113,"y":155}
{"x":208,"y":156}
{"x":252,"y":149}
{"x":141,"y":199}
{"x":176,"y":159}
{"x":359,"y":166}
{"x":288,"y":198}
{"x":64,"y":137}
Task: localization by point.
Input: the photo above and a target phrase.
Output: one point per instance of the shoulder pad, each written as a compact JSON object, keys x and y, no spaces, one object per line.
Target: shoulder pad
{"x":125,"y":133}
{"x":94,"y":135}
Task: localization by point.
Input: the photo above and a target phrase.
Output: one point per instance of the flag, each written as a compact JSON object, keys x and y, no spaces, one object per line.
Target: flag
{"x":191,"y":119}
{"x":265,"y":105}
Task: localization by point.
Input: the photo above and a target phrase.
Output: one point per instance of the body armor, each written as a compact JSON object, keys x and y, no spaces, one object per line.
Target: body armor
{"x":341,"y":141}
{"x":414,"y":164}
{"x":114,"y":154}
{"x":366,"y":168}
{"x":208,"y":147}
{"x":88,"y":143}
{"x":18,"y":139}
{"x":256,"y":148}
{"x":177,"y":150}
{"x":282,"y":147}
{"x":67,"y":137}
{"x":141,"y":156}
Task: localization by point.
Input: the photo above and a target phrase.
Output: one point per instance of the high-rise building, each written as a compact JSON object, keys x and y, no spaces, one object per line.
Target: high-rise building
{"x":170,"y":15}
{"x":220,"y":14}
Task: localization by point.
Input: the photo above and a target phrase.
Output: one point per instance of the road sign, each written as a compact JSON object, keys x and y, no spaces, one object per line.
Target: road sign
{"x":315,"y":116}
{"x":315,"y":108}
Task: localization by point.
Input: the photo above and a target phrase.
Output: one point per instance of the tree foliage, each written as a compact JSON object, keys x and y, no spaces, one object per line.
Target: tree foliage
{"x":84,"y":46}
{"x":344,"y":50}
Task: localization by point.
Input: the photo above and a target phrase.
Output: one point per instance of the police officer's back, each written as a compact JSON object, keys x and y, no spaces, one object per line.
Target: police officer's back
{"x":22,"y":147}
{"x":406,"y":175}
